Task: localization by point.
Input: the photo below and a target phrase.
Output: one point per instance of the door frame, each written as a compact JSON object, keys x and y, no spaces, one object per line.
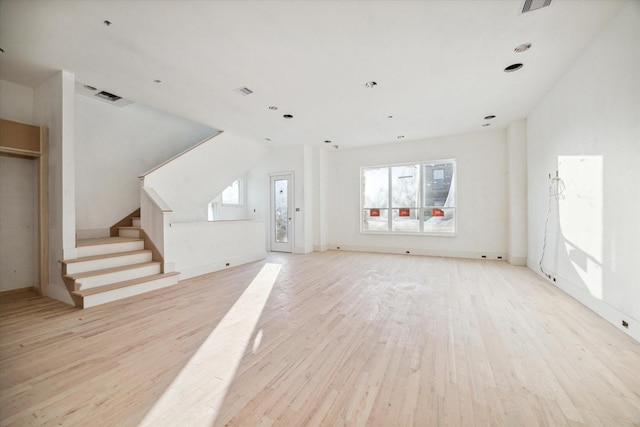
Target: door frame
{"x":290,"y":201}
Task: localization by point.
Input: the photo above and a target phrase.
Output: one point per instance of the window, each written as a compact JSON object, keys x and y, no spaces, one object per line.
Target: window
{"x":232,"y":195}
{"x":409,"y":198}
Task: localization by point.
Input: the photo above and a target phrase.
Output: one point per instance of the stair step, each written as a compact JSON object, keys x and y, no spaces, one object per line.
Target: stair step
{"x":106,"y":276}
{"x":124,"y":289}
{"x":107,"y":245}
{"x":101,"y":262}
{"x":133,"y":232}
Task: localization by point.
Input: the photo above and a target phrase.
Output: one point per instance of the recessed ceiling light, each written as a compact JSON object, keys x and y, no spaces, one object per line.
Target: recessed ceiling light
{"x":89,"y":87}
{"x":513,"y":67}
{"x":157,"y":81}
{"x":390,"y":117}
{"x":523,"y":47}
{"x":268,"y":139}
{"x":400,"y":136}
{"x":327,"y":141}
{"x":489,"y":117}
{"x":371,"y":84}
{"x":107,"y":23}
{"x":1,"y":50}
{"x":288,"y":116}
{"x":486,"y":124}
{"x":273,"y":107}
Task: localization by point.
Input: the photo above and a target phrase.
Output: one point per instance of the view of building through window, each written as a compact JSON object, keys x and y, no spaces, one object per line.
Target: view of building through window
{"x":409,"y":198}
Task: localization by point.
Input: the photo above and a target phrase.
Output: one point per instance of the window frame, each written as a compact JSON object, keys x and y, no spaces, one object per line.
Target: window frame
{"x":421,"y":206}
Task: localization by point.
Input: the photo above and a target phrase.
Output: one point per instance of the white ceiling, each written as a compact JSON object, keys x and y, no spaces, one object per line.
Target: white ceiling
{"x":438,"y":64}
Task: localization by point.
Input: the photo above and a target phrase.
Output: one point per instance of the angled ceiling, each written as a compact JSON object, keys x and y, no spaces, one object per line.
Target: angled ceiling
{"x":438,"y":65}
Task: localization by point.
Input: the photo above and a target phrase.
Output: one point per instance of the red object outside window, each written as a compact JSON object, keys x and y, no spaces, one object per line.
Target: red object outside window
{"x":374,"y":212}
{"x":403,"y":212}
{"x":437,"y":212}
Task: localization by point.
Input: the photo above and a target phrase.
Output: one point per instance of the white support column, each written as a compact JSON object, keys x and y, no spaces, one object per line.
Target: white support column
{"x":517,"y":192}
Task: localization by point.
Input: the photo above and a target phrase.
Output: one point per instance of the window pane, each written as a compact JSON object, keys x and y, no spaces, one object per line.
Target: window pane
{"x":231,"y":194}
{"x":375,"y":219}
{"x":406,"y":220}
{"x":439,"y":219}
{"x":404,"y":186}
{"x":375,"y":188}
{"x":439,"y":186}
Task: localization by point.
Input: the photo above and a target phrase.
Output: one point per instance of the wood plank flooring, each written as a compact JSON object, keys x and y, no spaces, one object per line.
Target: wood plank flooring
{"x":344,"y":339}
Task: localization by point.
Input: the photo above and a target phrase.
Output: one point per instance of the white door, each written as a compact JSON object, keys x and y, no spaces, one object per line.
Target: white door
{"x":282,"y":213}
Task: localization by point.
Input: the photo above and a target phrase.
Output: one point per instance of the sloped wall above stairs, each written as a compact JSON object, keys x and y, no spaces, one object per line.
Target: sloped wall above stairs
{"x":192,"y":179}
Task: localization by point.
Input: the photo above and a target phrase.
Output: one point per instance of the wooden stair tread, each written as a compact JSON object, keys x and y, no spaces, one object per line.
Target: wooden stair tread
{"x":130,"y":227}
{"x":96,"y":257}
{"x":123,"y":284}
{"x":105,"y":241}
{"x":111,"y":270}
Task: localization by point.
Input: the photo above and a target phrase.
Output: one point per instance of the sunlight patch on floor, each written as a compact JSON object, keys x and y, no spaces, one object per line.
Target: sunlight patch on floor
{"x":195,"y":396}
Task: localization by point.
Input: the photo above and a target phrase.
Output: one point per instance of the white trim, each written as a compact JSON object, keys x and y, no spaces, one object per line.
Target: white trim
{"x":495,"y":256}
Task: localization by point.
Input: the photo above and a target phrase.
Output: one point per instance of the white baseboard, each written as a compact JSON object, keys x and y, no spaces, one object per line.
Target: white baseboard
{"x":187,"y":273}
{"x":321,"y":248}
{"x":425,"y":252}
{"x":601,"y":308}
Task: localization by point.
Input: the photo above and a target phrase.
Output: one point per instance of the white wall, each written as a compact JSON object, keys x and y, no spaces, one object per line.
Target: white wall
{"x":190,"y":181}
{"x":481,"y":196}
{"x":54,"y":108}
{"x":588,"y":128}
{"x":18,"y":199}
{"x":114,"y":146}
{"x":16,"y":102}
{"x":287,"y":159}
{"x":197,"y":248}
{"x":321,"y":172}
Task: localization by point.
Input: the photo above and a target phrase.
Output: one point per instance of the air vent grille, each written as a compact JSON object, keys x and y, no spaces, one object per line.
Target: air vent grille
{"x":244,"y":91}
{"x":108,"y":96}
{"x":531,"y":5}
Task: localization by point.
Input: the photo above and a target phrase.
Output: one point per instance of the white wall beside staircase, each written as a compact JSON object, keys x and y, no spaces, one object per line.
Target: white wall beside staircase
{"x":115,"y":145}
{"x":191,"y":180}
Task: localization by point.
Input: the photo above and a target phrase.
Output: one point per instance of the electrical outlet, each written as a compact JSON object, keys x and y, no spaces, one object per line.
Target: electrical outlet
{"x":227,"y":264}
{"x":484,"y":256}
{"x":625,"y":324}
{"x":337,"y":247}
{"x":499,"y":257}
{"x":407,"y":252}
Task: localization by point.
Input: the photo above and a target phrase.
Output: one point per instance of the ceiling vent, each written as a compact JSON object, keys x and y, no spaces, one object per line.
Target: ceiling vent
{"x":108,"y":96}
{"x":531,"y":5}
{"x":244,"y":91}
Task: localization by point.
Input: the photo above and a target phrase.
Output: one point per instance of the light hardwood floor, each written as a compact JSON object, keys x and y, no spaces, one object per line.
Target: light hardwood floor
{"x":344,"y":339}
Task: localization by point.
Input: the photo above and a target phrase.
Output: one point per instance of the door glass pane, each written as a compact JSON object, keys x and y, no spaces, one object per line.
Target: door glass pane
{"x":281,"y":207}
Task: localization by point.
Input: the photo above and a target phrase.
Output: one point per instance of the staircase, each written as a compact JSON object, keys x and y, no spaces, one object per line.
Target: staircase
{"x":112,"y":268}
